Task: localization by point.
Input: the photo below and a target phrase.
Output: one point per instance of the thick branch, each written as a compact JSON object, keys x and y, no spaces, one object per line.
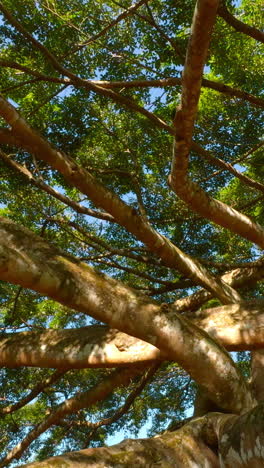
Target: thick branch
{"x":237,"y":278}
{"x":94,"y":346}
{"x":186,"y":447}
{"x":126,"y":216}
{"x":236,"y":327}
{"x":202,"y":26}
{"x":241,"y":440}
{"x":187,"y":190}
{"x":239,"y":25}
{"x":28,"y":260}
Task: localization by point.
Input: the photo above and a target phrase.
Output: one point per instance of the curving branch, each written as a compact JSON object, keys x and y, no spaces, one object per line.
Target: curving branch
{"x":146,"y":377}
{"x":29,"y":71}
{"x":229,"y":167}
{"x":236,"y":161}
{"x":190,"y":192}
{"x":190,"y":444}
{"x":102,"y":197}
{"x":81,"y":400}
{"x":28,"y":260}
{"x":121,"y":17}
{"x":77,"y":81}
{"x":239,"y":25}
{"x":238,"y":278}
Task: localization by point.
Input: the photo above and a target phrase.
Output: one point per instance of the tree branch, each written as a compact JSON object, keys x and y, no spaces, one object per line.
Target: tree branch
{"x":124,"y":15}
{"x":163,"y":82}
{"x":236,"y":327}
{"x":6,"y":137}
{"x":34,"y":392}
{"x":236,"y":161}
{"x":124,"y":215}
{"x":29,"y":71}
{"x":187,"y":190}
{"x":237,"y":278}
{"x":228,"y":167}
{"x":238,"y":25}
{"x":146,"y":377}
{"x":28,"y":260}
{"x":96,"y":346}
{"x":81,"y":400}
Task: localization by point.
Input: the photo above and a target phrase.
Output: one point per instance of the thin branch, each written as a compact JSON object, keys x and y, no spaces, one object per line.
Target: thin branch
{"x":151,"y":20}
{"x":229,"y":167}
{"x":46,"y":188}
{"x":81,"y":400}
{"x":20,"y":85}
{"x":77,"y":81}
{"x":145,"y":379}
{"x":134,"y":271}
{"x":29,"y":71}
{"x":47,"y":382}
{"x":239,"y":25}
{"x":47,"y":100}
{"x":163,"y":82}
{"x":236,"y":161}
{"x":113,"y":23}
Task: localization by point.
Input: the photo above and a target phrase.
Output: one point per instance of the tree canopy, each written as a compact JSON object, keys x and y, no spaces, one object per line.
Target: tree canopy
{"x":130,"y":250}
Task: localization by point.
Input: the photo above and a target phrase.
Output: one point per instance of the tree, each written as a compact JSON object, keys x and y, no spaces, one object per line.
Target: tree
{"x":131,"y":270}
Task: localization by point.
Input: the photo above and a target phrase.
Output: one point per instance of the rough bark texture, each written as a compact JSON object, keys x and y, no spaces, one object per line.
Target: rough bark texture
{"x":236,"y":327}
{"x":27,"y":260}
{"x":242,"y":441}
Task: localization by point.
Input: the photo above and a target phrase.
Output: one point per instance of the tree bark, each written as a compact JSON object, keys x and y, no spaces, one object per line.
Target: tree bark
{"x":28,"y":260}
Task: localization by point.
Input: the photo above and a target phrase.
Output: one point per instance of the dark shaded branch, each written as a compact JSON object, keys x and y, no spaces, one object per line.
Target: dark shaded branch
{"x":229,"y":167}
{"x":163,"y":82}
{"x":146,"y":377}
{"x":79,"y":82}
{"x":5,"y":137}
{"x":239,"y":25}
{"x":81,"y":400}
{"x":236,"y":161}
{"x":34,"y":392}
{"x":29,"y":71}
{"x":113,"y":23}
